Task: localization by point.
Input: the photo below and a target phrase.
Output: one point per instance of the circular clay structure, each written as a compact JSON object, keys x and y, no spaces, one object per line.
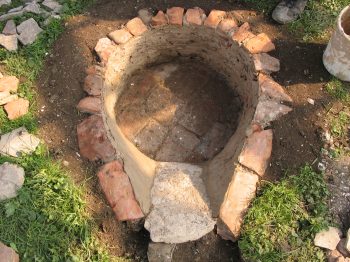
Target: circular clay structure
{"x":186,"y":100}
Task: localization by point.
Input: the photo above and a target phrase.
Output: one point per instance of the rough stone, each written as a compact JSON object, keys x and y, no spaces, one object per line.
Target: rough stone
{"x":104,"y":48}
{"x":240,"y":193}
{"x":272,"y":89}
{"x":118,"y":191}
{"x":259,"y":44}
{"x":347,"y":243}
{"x":9,"y":84}
{"x":160,"y":252}
{"x":32,"y":8}
{"x":120,"y":36}
{"x":175,"y":15}
{"x":93,"y":141}
{"x":9,"y":42}
{"x":243,"y":33}
{"x":159,"y":19}
{"x":136,"y":26}
{"x":93,"y":85}
{"x":53,"y":5}
{"x":10,"y":28}
{"x":266,"y":63}
{"x":6,"y":97}
{"x":268,"y":111}
{"x":8,"y":16}
{"x":11,"y":180}
{"x":17,"y":108}
{"x":5,"y":2}
{"x":7,"y":254}
{"x":214,"y":18}
{"x":328,"y":239}
{"x":180,"y":210}
{"x":193,"y":16}
{"x":227,"y":26}
{"x":145,"y":15}
{"x":90,"y":105}
{"x":257,"y":151}
{"x":28,"y":31}
{"x":16,"y":9}
{"x":18,"y":142}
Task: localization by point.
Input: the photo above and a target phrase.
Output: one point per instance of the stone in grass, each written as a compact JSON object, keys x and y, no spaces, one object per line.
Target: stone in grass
{"x":18,"y":142}
{"x":53,"y":5}
{"x":11,"y":180}
{"x":10,"y":28}
{"x":119,"y":193}
{"x":9,"y":42}
{"x":28,"y":31}
{"x":32,"y":8}
{"x":7,"y":254}
{"x":181,"y":209}
{"x":256,"y":151}
{"x":328,"y":239}
{"x":17,"y":108}
{"x":9,"y":84}
{"x":16,"y":9}
{"x":160,"y":252}
{"x":90,"y":105}
{"x":8,"y":16}
{"x":93,"y":141}
{"x":6,"y":97}
{"x":5,"y":2}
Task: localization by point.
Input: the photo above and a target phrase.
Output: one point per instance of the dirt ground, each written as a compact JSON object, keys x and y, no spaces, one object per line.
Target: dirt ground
{"x":296,"y":137}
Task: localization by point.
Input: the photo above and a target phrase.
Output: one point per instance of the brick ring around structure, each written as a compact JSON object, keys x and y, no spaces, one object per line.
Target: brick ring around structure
{"x":179,"y":201}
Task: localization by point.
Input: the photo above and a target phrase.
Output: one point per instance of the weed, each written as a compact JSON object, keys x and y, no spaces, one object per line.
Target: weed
{"x":284,"y":218}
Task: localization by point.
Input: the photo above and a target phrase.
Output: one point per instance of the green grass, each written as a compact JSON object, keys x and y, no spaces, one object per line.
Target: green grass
{"x":283,"y":219}
{"x":315,"y":23}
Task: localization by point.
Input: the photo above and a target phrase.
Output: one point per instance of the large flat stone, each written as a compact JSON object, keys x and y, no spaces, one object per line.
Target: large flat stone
{"x":7,"y":254}
{"x":28,"y":31}
{"x":93,"y":141}
{"x":11,"y":180}
{"x":8,"y":16}
{"x":257,"y":151}
{"x":118,"y":191}
{"x":53,"y":5}
{"x":269,"y":110}
{"x":181,"y":209}
{"x":18,"y":142}
{"x":17,"y":108}
{"x":9,"y":42}
{"x":328,"y":238}
{"x":5,"y":2}
{"x":6,"y":97}
{"x":9,"y":84}
{"x":10,"y":28}
{"x":272,"y":89}
{"x":240,"y":193}
{"x":32,"y":7}
{"x":266,"y":63}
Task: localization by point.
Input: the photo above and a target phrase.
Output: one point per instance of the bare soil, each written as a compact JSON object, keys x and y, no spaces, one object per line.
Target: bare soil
{"x":296,"y":138}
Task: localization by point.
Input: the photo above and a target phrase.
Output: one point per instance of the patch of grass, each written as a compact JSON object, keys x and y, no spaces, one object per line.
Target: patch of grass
{"x":283,"y":219}
{"x":47,"y":221}
{"x":339,"y":90}
{"x":265,"y":6}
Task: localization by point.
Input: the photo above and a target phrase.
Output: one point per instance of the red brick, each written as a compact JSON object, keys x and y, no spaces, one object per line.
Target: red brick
{"x":240,"y":193}
{"x":256,"y":152}
{"x":7,"y":254}
{"x":120,"y":36}
{"x":227,"y":25}
{"x":93,"y":85}
{"x":9,"y":83}
{"x":273,"y":89}
{"x":214,"y":18}
{"x":90,"y":105}
{"x":193,"y":17}
{"x":136,"y":26}
{"x":159,"y":19}
{"x":104,"y":49}
{"x":259,"y":44}
{"x":175,"y":15}
{"x":243,"y":33}
{"x":266,"y":63}
{"x":17,"y":108}
{"x":119,"y":193}
{"x":93,"y":141}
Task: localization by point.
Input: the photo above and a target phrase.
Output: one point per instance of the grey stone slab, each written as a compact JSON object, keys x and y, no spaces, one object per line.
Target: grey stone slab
{"x":10,"y":28}
{"x":32,"y":8}
{"x":11,"y":180}
{"x":16,"y":9}
{"x":5,"y":2}
{"x":180,"y":211}
{"x":9,"y":42}
{"x":18,"y":142}
{"x":29,"y":31}
{"x":53,"y":5}
{"x":8,"y":16}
